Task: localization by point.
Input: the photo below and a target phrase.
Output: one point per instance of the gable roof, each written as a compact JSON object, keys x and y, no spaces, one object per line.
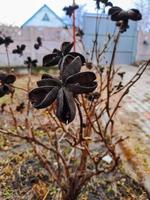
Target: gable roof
{"x":37,"y":18}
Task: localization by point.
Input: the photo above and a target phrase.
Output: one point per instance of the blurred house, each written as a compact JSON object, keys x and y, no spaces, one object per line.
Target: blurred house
{"x":133,"y":45}
{"x":45,"y":24}
{"x":127,"y":46}
{"x":44,"y":17}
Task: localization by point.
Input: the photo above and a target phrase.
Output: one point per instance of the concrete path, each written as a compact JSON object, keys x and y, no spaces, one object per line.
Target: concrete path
{"x":138,"y":100}
{"x":134,"y":121}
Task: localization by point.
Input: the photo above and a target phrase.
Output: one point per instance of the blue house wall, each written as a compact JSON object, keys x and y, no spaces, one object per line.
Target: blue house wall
{"x":127,"y":46}
{"x":44,"y":17}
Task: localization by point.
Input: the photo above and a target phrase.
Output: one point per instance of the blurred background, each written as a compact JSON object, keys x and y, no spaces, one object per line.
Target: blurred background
{"x":24,"y":21}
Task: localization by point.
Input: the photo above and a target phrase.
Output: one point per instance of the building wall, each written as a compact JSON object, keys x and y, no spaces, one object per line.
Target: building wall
{"x":129,"y":50}
{"x":37,"y":19}
{"x":126,"y":50}
{"x":143,"y":46}
{"x":51,"y":38}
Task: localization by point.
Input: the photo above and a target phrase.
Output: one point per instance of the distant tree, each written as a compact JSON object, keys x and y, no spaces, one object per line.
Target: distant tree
{"x":144,"y":7}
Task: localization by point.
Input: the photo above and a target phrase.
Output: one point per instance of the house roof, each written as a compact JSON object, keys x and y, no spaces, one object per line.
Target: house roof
{"x":35,"y":19}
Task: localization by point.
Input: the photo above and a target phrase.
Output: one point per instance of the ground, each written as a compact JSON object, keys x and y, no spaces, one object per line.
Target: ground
{"x":134,"y":121}
{"x":23,"y":177}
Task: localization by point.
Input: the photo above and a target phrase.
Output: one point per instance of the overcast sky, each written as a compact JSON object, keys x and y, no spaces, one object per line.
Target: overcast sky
{"x":16,"y":12}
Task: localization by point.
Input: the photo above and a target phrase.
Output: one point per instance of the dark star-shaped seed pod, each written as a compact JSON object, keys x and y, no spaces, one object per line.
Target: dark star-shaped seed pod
{"x":80,"y":33}
{"x":6,"y":40}
{"x":5,"y":84}
{"x":105,"y":2}
{"x":134,"y":14}
{"x":57,"y":55}
{"x":3,"y":107}
{"x":30,"y":63}
{"x":70,"y":83}
{"x":20,"y":107}
{"x":70,"y":9}
{"x":19,"y":49}
{"x":121,"y":74}
{"x":119,"y":86}
{"x":39,"y":43}
{"x":123,"y":25}
{"x":122,"y":17}
{"x":1,"y":40}
{"x":118,"y":14}
{"x":92,"y":96}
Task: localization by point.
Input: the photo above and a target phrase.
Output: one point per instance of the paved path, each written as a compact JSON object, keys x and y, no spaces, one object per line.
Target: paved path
{"x":134,"y":121}
{"x":138,"y":100}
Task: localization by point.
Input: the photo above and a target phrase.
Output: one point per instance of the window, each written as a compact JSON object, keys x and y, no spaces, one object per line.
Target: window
{"x":45,"y":18}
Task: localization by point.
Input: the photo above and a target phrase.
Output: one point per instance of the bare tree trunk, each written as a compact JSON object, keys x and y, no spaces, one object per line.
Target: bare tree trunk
{"x":71,"y":194}
{"x":72,"y":191}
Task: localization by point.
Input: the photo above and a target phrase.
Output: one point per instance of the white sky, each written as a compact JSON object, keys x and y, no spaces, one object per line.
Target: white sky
{"x":16,"y":12}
